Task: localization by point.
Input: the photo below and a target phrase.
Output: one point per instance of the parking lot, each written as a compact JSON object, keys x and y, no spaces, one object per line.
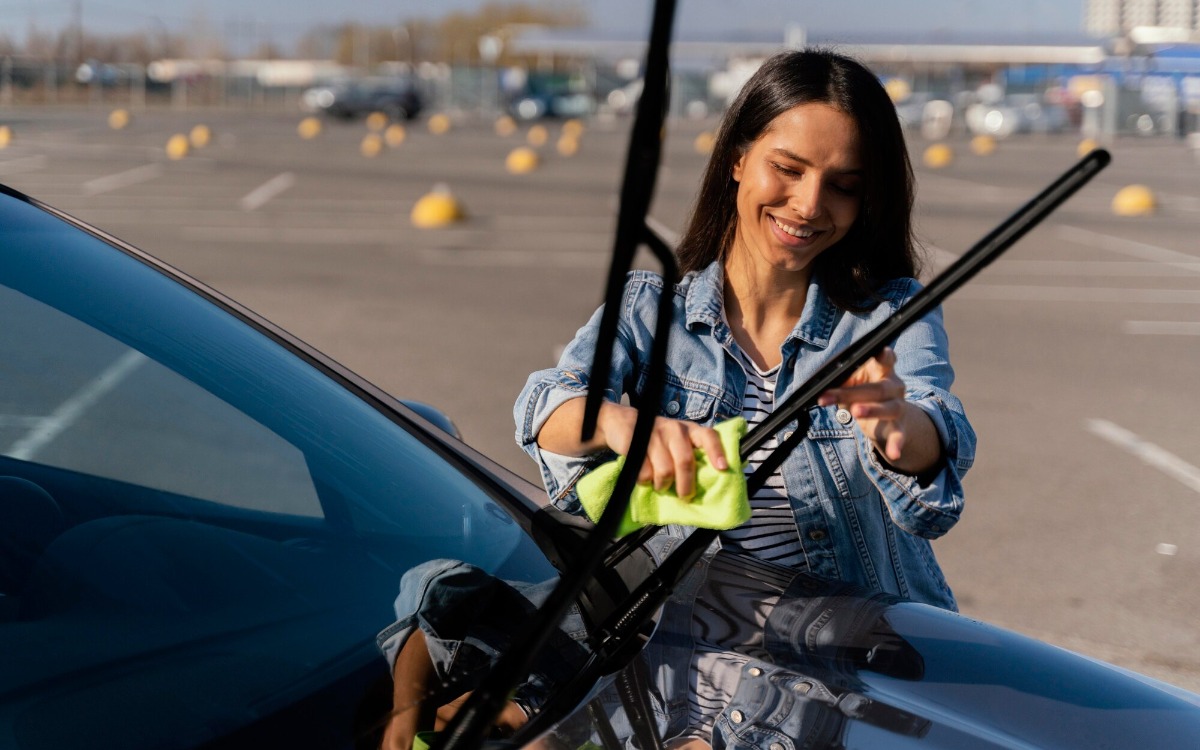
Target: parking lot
{"x":1076,"y":353}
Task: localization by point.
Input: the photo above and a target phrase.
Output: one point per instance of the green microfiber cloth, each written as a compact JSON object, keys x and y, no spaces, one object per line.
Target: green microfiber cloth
{"x":720,"y":501}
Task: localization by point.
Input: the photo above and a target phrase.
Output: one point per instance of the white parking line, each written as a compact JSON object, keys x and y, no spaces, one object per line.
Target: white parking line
{"x":69,"y":411}
{"x":1006,"y":293}
{"x":1123,"y":246}
{"x":122,"y":179}
{"x":1161,"y":459}
{"x":24,"y":164}
{"x":513,"y":258}
{"x":1162,"y":327}
{"x":260,"y":195}
{"x":940,"y":258}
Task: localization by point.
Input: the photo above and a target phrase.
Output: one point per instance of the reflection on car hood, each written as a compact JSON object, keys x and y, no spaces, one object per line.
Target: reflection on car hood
{"x":825,"y":664}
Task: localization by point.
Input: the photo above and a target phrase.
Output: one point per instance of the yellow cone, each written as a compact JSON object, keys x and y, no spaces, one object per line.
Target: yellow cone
{"x":394,"y":135}
{"x":537,"y":135}
{"x":177,"y":146}
{"x":371,"y":145}
{"x":1086,"y":146}
{"x":437,"y":208}
{"x":118,"y":119}
{"x":376,"y":121}
{"x":6,"y":136}
{"x":439,"y":124}
{"x":704,"y":143}
{"x":1134,"y":200}
{"x":200,"y":136}
{"x":938,"y":155}
{"x":521,"y":160}
{"x":568,"y":145}
{"x":505,"y":126}
{"x":983,"y":145}
{"x":309,"y":128}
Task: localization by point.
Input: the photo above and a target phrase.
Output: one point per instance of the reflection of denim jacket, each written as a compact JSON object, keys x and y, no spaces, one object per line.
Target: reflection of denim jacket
{"x":859,"y":521}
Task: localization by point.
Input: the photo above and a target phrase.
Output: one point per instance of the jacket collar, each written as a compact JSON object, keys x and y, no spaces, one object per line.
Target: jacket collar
{"x":705,"y":298}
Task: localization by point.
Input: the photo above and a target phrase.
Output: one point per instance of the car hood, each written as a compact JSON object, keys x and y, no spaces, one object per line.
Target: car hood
{"x":836,"y":666}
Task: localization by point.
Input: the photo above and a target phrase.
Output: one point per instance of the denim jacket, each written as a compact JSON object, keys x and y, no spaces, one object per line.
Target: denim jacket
{"x":859,"y":521}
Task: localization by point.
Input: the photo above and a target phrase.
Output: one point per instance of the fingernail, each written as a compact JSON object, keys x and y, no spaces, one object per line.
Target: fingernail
{"x":825,"y":399}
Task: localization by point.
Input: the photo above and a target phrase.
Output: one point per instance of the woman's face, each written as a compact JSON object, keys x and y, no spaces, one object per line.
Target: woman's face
{"x":799,"y":188}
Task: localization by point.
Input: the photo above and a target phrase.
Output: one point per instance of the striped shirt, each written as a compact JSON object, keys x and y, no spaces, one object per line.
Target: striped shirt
{"x":771,"y":532}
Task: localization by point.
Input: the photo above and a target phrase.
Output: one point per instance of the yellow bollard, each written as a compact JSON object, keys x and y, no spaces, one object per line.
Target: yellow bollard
{"x":983,"y":145}
{"x":937,"y":156}
{"x":1134,"y":200}
{"x":439,"y":124}
{"x":200,"y":136}
{"x":568,"y":145}
{"x":309,"y":128}
{"x":505,"y":126}
{"x":1086,"y":146}
{"x":177,"y":147}
{"x":371,"y":145}
{"x":395,"y":135}
{"x":537,"y":135}
{"x":376,"y":121}
{"x":704,"y":143}
{"x":438,"y":208}
{"x":521,"y":160}
{"x":118,"y":119}
{"x":6,"y":136}
{"x":573,"y":128}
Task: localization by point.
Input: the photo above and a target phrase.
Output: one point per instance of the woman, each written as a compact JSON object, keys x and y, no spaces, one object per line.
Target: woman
{"x":800,"y":241}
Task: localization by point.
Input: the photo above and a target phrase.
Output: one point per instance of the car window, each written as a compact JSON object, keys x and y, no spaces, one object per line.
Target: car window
{"x":111,"y":411}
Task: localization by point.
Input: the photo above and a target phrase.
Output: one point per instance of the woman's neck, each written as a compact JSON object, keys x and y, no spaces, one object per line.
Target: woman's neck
{"x":762,"y":308}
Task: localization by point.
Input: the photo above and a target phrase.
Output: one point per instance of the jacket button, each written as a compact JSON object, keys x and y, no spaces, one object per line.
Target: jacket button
{"x":736,"y":716}
{"x":788,"y":435}
{"x":843,"y":416}
{"x":816,"y":535}
{"x":803,"y":687}
{"x":673,"y":408}
{"x":775,"y":746}
{"x":754,"y":671}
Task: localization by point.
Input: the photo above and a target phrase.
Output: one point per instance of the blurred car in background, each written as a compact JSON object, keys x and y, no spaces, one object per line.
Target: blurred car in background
{"x":552,"y":95}
{"x":398,"y":98}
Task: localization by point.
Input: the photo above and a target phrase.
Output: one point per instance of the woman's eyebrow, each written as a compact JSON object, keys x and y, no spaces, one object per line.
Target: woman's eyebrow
{"x":780,"y":151}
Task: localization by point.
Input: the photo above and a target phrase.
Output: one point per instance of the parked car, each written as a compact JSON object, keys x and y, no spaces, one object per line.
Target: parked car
{"x":398,"y":98}
{"x":552,"y":95}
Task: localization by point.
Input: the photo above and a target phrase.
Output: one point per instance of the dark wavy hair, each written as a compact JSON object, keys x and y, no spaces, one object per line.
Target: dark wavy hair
{"x":879,"y":246}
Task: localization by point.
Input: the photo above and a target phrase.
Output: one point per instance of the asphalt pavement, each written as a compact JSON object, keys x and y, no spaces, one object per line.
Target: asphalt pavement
{"x":1076,"y":353}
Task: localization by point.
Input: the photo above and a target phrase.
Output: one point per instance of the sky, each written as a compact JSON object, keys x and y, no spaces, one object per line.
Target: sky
{"x":283,"y":21}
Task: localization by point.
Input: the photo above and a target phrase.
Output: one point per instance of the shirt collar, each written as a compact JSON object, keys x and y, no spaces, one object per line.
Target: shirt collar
{"x":705,"y":297}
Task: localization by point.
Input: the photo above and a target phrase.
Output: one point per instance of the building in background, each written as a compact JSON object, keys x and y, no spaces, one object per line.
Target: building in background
{"x":1121,"y":17}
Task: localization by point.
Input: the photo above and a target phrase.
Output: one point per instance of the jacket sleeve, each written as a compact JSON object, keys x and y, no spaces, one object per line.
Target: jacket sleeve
{"x":931,"y":506}
{"x":546,"y":390}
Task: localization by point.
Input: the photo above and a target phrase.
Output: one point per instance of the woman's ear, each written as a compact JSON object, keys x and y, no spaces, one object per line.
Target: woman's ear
{"x":738,"y":166}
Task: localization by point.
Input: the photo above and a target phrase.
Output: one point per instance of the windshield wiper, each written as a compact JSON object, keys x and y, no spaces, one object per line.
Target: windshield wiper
{"x":473,"y":721}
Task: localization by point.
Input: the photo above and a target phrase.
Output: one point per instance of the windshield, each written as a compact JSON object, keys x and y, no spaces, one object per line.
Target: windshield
{"x":177,"y":485}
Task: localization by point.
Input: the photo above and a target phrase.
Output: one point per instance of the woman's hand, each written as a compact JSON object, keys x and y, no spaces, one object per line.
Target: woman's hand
{"x":670,"y":456}
{"x":900,"y":431}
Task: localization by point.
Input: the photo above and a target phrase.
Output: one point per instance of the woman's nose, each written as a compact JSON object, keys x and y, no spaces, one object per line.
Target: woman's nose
{"x":807,"y":199}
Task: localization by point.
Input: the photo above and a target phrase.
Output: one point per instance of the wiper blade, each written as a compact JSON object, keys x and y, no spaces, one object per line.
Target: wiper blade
{"x":474,"y":719}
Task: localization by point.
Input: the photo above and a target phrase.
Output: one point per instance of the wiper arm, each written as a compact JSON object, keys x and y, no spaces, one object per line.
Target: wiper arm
{"x":473,"y":721}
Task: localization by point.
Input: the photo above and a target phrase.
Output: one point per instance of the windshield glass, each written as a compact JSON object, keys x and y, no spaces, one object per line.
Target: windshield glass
{"x":175,"y":483}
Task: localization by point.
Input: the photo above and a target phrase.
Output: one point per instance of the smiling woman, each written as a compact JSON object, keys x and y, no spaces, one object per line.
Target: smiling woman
{"x":800,"y":242}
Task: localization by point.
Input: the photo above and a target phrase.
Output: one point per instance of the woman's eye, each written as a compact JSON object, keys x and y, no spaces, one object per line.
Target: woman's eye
{"x":785,"y":170}
{"x":846,"y":189}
